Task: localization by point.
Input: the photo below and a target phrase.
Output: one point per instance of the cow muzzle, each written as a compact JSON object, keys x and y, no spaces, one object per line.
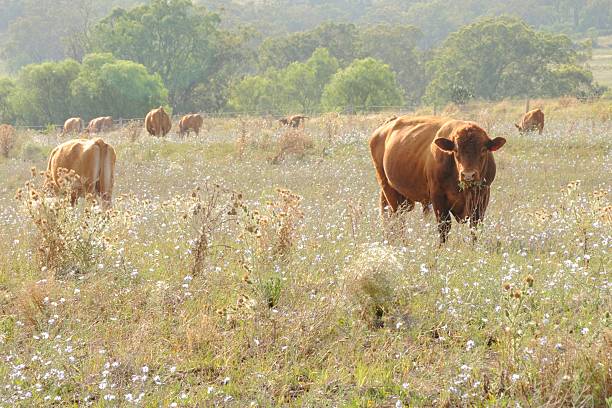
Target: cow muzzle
{"x":469,"y":176}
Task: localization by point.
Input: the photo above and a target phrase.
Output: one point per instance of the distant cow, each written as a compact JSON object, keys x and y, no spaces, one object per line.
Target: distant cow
{"x":532,"y":121}
{"x":190,"y":122}
{"x":294,"y":121}
{"x":157,"y":122}
{"x":100,"y":124}
{"x":73,"y":125}
{"x":432,"y":160}
{"x":93,"y":160}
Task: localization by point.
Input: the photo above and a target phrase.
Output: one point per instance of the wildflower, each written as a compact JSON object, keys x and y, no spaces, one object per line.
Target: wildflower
{"x":470,"y":345}
{"x":515,"y":377}
{"x":529,"y":280}
{"x":507,"y":286}
{"x":517,"y":294}
{"x":584,"y":331}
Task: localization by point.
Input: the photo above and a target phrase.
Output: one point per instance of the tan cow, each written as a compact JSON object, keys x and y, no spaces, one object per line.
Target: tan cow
{"x":73,"y":125}
{"x":532,"y":121}
{"x":100,"y":124}
{"x":189,"y":122}
{"x":157,"y":122}
{"x":93,"y":160}
{"x":434,"y":160}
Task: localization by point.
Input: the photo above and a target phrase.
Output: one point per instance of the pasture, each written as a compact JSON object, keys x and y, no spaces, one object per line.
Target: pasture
{"x":248,"y":267}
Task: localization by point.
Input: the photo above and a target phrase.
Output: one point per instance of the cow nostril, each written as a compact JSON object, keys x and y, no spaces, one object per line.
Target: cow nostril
{"x":468,"y":175}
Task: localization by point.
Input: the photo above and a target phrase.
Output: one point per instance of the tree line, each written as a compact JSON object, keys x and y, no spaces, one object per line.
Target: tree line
{"x":182,"y":55}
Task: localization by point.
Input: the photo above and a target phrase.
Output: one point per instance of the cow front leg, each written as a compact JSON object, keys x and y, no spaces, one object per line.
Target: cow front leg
{"x":443,"y":216}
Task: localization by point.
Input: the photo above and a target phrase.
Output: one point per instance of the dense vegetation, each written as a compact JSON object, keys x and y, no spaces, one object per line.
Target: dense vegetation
{"x":284,"y":57}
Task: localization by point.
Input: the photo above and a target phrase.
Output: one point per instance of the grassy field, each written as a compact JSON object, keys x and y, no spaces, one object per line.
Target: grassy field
{"x":601,"y":64}
{"x":248,"y":267}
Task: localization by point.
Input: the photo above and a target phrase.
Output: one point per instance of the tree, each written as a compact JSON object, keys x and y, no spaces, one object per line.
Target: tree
{"x":396,"y":45}
{"x":298,"y":87}
{"x":176,"y":39}
{"x":497,"y":58}
{"x":257,"y":93}
{"x":48,"y":30}
{"x":42,"y":94}
{"x":339,"y":38}
{"x":363,"y":85}
{"x":7,"y":88}
{"x":303,"y":83}
{"x":118,"y":88}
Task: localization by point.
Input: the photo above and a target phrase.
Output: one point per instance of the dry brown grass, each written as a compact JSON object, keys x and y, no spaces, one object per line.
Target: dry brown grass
{"x":7,"y":139}
{"x":292,"y":142}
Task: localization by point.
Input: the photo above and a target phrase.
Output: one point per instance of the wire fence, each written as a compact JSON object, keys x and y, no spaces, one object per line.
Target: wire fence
{"x":349,"y":110}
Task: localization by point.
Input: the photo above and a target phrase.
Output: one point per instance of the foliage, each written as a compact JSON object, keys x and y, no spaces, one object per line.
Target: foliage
{"x":118,"y":88}
{"x":502,"y":57}
{"x":298,"y":87}
{"x":364,"y":84}
{"x":176,"y":39}
{"x":48,"y":30}
{"x":7,"y":87}
{"x":396,"y":45}
{"x":42,"y":93}
{"x":339,"y":38}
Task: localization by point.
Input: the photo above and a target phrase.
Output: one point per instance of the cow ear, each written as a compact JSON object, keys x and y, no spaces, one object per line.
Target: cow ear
{"x":445,"y":144}
{"x":496,"y":143}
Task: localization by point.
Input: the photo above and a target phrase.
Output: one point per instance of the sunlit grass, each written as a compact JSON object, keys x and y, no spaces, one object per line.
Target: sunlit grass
{"x":303,"y":300}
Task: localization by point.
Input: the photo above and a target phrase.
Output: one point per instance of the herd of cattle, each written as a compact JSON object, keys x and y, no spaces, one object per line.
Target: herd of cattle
{"x":158,"y":123}
{"x":439,"y":162}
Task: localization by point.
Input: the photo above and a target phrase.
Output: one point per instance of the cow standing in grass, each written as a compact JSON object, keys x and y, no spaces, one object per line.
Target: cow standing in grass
{"x":532,"y":121}
{"x":157,"y":122}
{"x":93,"y":161}
{"x":100,"y":124}
{"x":189,"y":122}
{"x":72,"y":125}
{"x":439,"y":161}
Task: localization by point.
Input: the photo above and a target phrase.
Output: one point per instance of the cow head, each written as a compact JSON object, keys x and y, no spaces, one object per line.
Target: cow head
{"x":470,"y":146}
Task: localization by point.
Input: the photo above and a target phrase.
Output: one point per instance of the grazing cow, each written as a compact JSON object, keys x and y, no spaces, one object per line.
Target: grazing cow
{"x":72,"y":125}
{"x":294,"y":121}
{"x":190,"y":122}
{"x":100,"y":124}
{"x":432,"y":160}
{"x":157,"y":122}
{"x":93,"y":160}
{"x":532,"y":121}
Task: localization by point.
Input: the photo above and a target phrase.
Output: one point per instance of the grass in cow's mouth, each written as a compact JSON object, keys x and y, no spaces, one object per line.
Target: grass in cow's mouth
{"x":464,"y":185}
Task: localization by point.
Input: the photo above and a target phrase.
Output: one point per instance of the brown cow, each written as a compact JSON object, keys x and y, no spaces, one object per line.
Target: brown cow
{"x":157,"y":122}
{"x":100,"y":124}
{"x":433,"y":160}
{"x":294,"y":121}
{"x":532,"y":121}
{"x":190,"y":122}
{"x":72,"y":125}
{"x":93,"y":160}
